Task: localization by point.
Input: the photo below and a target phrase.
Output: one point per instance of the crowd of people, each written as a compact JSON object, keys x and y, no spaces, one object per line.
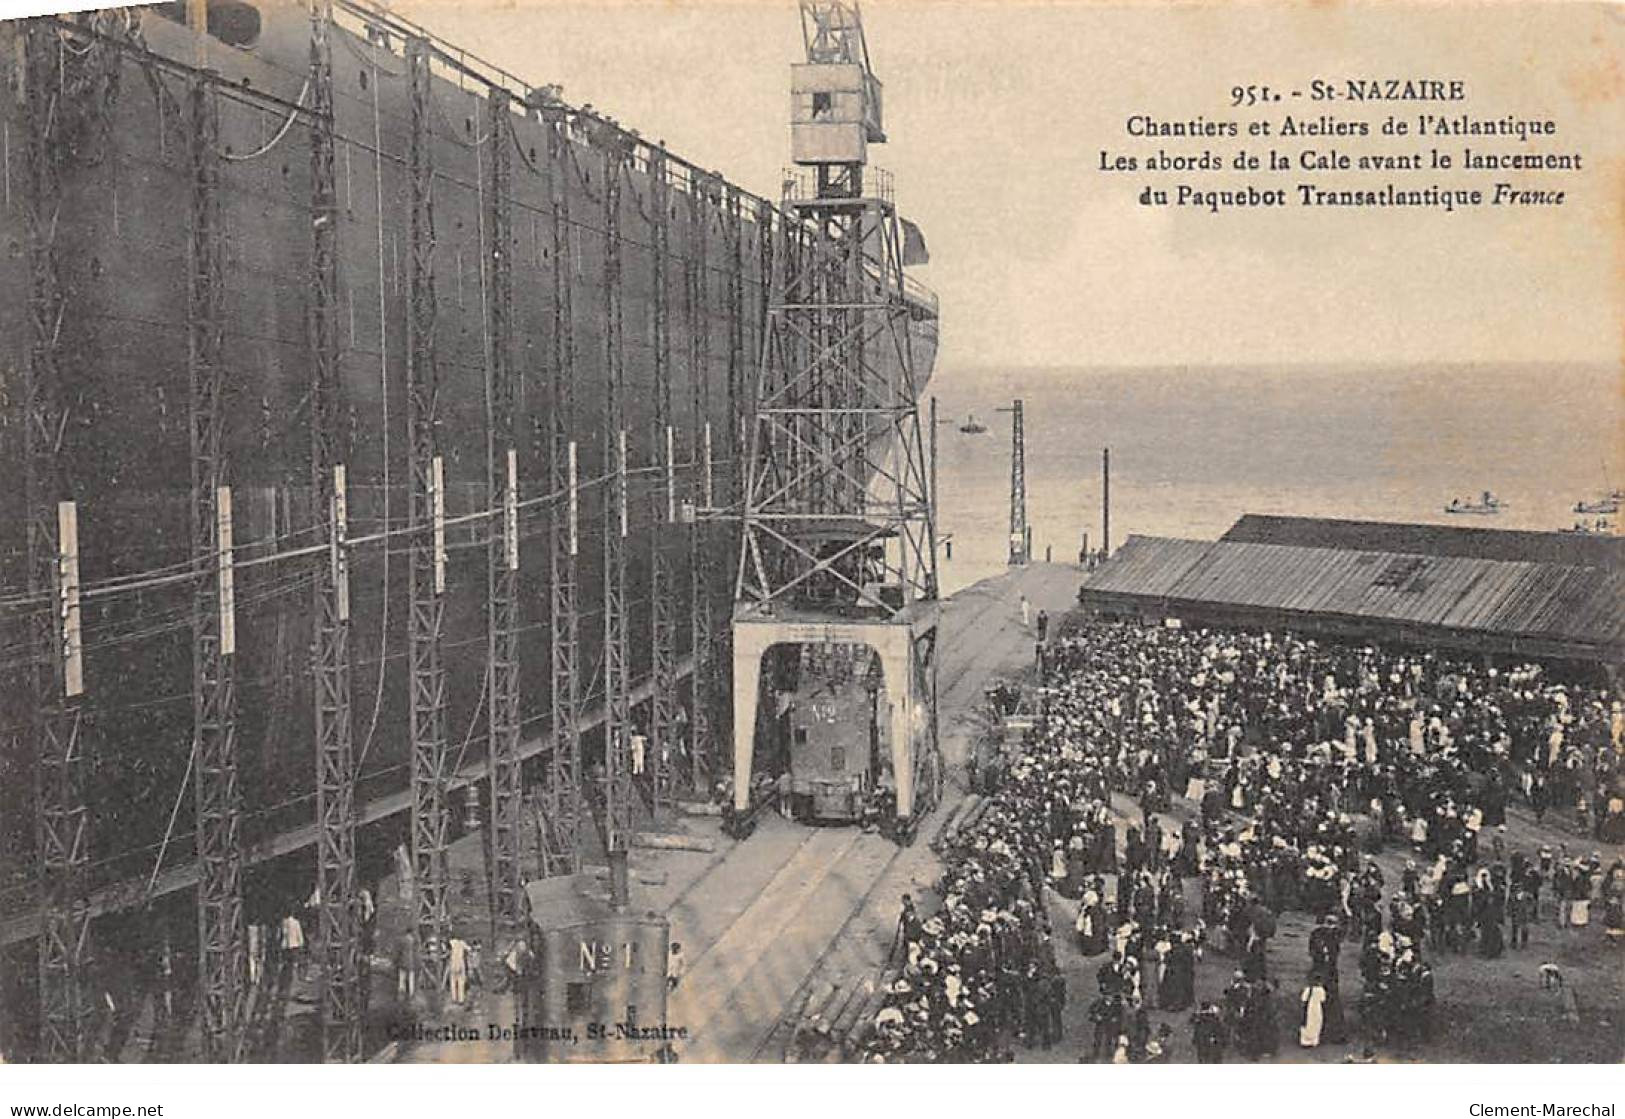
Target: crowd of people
{"x":1298,"y":761}
{"x":980,"y":975}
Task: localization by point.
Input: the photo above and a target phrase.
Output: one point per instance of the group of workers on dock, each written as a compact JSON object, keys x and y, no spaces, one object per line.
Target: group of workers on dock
{"x":1298,"y":763}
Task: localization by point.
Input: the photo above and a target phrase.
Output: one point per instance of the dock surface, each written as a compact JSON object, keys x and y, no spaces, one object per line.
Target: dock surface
{"x":766,"y":920}
{"x":828,"y":908}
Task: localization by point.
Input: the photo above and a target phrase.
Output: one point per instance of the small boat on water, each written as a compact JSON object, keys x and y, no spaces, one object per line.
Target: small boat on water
{"x":972,"y":425}
{"x":1488,"y":504}
{"x":1602,"y":526}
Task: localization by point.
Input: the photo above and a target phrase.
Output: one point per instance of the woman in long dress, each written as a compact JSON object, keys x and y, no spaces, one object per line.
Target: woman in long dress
{"x":1076,"y":865}
{"x":1179,"y":985}
{"x":1491,"y":941}
{"x":1314,"y":1015}
{"x":1105,"y":849}
{"x":1058,"y":872}
{"x":1091,"y":926}
{"x":1335,"y":1030}
{"x":1613,"y":900}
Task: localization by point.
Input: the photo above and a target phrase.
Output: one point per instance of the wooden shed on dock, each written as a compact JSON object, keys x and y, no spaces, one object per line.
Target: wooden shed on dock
{"x":1413,"y":584}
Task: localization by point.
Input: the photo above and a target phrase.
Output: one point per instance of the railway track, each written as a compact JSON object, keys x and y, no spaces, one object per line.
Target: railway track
{"x":987,"y":655}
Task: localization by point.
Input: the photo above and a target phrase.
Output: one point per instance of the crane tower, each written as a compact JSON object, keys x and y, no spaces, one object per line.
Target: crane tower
{"x":837,"y":572}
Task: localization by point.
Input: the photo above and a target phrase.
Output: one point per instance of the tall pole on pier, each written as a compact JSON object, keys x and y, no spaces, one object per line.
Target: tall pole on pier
{"x":1105,"y":502}
{"x":1021,"y":539}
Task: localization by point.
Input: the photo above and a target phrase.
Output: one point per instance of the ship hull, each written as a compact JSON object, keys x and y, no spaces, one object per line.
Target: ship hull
{"x":121,"y":252}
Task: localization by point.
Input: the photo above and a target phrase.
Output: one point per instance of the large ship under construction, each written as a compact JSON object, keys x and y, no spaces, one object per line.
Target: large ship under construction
{"x":376,"y":428}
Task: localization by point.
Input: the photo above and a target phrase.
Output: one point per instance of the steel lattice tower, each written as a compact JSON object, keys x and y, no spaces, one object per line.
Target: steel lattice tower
{"x":221,"y":950}
{"x":63,"y":831}
{"x":662,"y":564}
{"x":563,"y":799}
{"x":826,"y":419}
{"x":503,"y":550}
{"x":618,"y":792}
{"x":838,"y":543}
{"x":427,"y":619}
{"x":341,"y":999}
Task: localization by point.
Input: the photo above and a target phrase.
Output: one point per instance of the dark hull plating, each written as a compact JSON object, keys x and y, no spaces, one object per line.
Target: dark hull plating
{"x":121,"y":252}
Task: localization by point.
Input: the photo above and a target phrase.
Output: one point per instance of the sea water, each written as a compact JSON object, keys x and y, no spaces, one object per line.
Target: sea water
{"x":1194,"y":448}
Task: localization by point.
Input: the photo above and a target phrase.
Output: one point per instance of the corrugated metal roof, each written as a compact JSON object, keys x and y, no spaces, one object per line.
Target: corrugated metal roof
{"x":1581,"y":605}
{"x":1146,"y":565}
{"x":1577,"y":549}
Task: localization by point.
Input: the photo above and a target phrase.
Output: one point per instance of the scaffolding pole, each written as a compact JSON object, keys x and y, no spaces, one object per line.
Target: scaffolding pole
{"x":662,"y":566}
{"x":221,"y":956}
{"x":701,"y":612}
{"x":736,"y":320}
{"x":740,"y":368}
{"x":617,"y":711}
{"x":563,"y":793}
{"x":428,"y":604}
{"x":341,"y":989}
{"x":767,"y":220}
{"x":507,"y":790}
{"x":63,"y":825}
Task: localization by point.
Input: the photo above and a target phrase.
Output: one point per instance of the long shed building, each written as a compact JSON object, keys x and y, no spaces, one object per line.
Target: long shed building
{"x":1548,"y":595}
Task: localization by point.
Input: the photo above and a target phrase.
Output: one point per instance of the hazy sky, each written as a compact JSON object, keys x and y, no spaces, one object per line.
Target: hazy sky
{"x":997,"y":114}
